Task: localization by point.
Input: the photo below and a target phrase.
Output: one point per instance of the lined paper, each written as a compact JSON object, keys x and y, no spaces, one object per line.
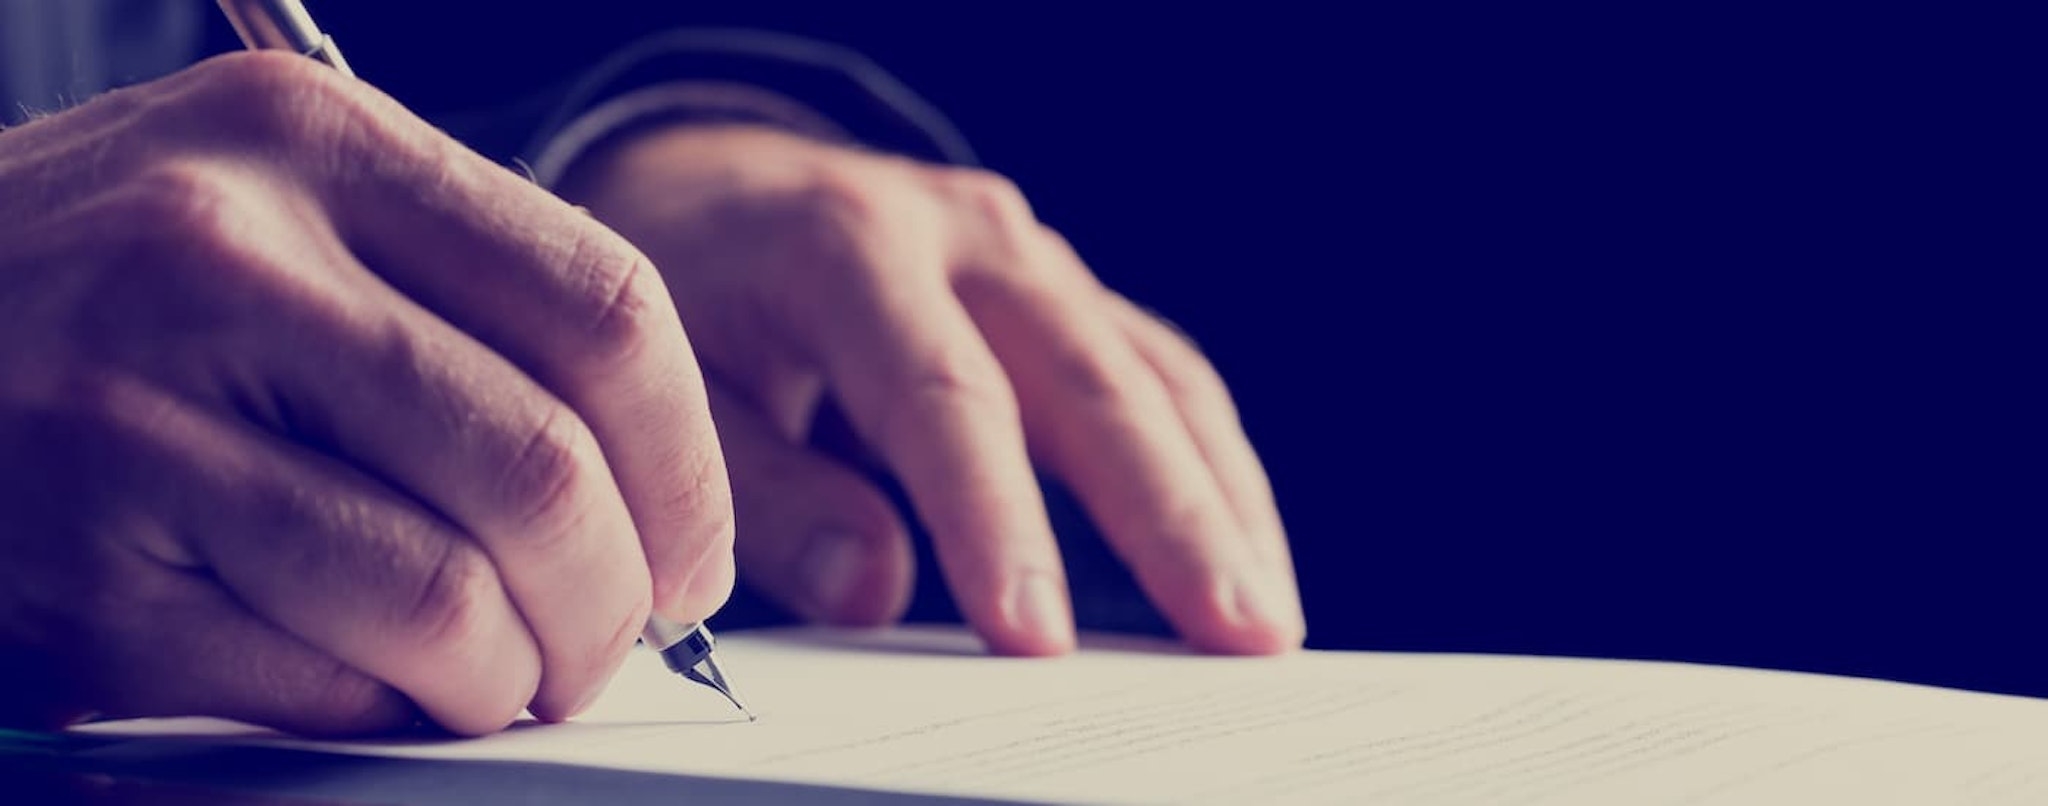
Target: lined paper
{"x":920,"y":710}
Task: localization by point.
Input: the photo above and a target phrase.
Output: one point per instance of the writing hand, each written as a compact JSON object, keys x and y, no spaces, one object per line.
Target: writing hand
{"x":310,"y":417}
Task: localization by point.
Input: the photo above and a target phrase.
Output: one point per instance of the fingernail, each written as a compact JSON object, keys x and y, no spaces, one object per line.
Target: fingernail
{"x":1037,"y":606}
{"x":1266,"y":605}
{"x":832,"y":566}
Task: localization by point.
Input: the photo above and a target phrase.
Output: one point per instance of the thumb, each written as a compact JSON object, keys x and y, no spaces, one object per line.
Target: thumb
{"x":811,"y":533}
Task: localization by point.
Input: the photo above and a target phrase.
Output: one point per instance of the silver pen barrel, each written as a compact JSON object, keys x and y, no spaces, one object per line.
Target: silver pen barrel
{"x":282,"y":25}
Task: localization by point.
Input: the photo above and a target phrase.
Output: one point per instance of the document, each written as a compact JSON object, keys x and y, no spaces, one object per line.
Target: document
{"x":922,"y":710}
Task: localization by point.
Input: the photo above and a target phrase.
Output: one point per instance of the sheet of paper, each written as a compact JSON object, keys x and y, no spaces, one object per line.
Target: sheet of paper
{"x":919,"y":710}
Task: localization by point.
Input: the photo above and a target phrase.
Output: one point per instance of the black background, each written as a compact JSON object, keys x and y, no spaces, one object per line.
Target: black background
{"x":1596,"y":331}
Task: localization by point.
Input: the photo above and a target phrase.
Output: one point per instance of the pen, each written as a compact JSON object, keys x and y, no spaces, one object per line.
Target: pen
{"x":285,"y":25}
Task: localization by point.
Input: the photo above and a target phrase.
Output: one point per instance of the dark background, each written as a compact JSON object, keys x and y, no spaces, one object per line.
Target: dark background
{"x":1597,"y":331}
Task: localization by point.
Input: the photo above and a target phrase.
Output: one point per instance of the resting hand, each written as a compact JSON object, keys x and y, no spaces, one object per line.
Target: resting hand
{"x":310,"y":417}
{"x":962,"y":340}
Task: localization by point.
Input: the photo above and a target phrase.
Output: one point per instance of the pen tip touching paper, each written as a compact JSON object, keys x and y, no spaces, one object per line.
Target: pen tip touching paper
{"x":712,"y":677}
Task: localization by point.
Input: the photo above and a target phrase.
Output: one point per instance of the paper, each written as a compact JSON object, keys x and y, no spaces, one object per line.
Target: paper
{"x":921,"y":711}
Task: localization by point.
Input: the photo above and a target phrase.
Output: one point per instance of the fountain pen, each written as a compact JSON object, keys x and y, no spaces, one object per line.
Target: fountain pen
{"x":285,"y":25}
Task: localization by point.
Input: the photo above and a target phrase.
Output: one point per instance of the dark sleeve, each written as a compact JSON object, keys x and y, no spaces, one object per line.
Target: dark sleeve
{"x":509,"y":83}
{"x":716,"y":75}
{"x":841,"y":85}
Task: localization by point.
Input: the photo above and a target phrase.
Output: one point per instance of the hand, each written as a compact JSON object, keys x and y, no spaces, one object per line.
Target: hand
{"x":962,"y":339}
{"x":310,"y":417}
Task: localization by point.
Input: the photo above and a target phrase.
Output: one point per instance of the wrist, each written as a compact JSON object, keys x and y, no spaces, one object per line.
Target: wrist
{"x":667,"y":172}
{"x":662,"y":110}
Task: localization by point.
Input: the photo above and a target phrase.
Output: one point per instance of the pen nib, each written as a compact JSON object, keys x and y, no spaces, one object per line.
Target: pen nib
{"x":686,"y":650}
{"x":711,"y":676}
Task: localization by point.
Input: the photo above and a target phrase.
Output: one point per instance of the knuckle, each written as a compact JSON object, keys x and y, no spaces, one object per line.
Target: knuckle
{"x":190,"y":220}
{"x":1183,"y":343}
{"x":713,"y":530}
{"x":946,"y":387}
{"x":701,"y":503}
{"x":263,"y":72}
{"x":624,"y":296}
{"x":1185,"y":371}
{"x":999,"y":208}
{"x":1091,"y":379}
{"x":278,"y":96}
{"x":183,"y":201}
{"x":958,"y":382}
{"x":705,"y":497}
{"x":449,"y":608}
{"x":705,"y":503}
{"x":847,"y":198}
{"x":618,"y":639}
{"x":1055,"y":238}
{"x":1191,"y":378}
{"x":846,"y":216}
{"x":542,"y":484}
{"x":857,"y":208}
{"x":991,"y":195}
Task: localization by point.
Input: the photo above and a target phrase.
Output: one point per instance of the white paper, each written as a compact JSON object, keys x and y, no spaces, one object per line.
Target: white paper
{"x":920,"y":710}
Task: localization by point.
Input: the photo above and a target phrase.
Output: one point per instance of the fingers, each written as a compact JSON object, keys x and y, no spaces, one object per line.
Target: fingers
{"x":422,"y":405}
{"x":919,"y":384}
{"x":182,"y":646}
{"x":1211,"y":418}
{"x":564,"y":299}
{"x":367,"y":375}
{"x":348,"y":566}
{"x":583,"y":313}
{"x":109,"y":610}
{"x":1104,"y":422}
{"x":480,"y":420}
{"x":814,"y":535}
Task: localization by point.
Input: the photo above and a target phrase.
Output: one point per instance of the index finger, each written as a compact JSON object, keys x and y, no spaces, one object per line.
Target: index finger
{"x":581,"y":311}
{"x":919,"y":383}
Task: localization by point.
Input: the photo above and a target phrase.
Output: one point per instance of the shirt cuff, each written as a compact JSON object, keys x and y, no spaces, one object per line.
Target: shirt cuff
{"x":680,"y":102}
